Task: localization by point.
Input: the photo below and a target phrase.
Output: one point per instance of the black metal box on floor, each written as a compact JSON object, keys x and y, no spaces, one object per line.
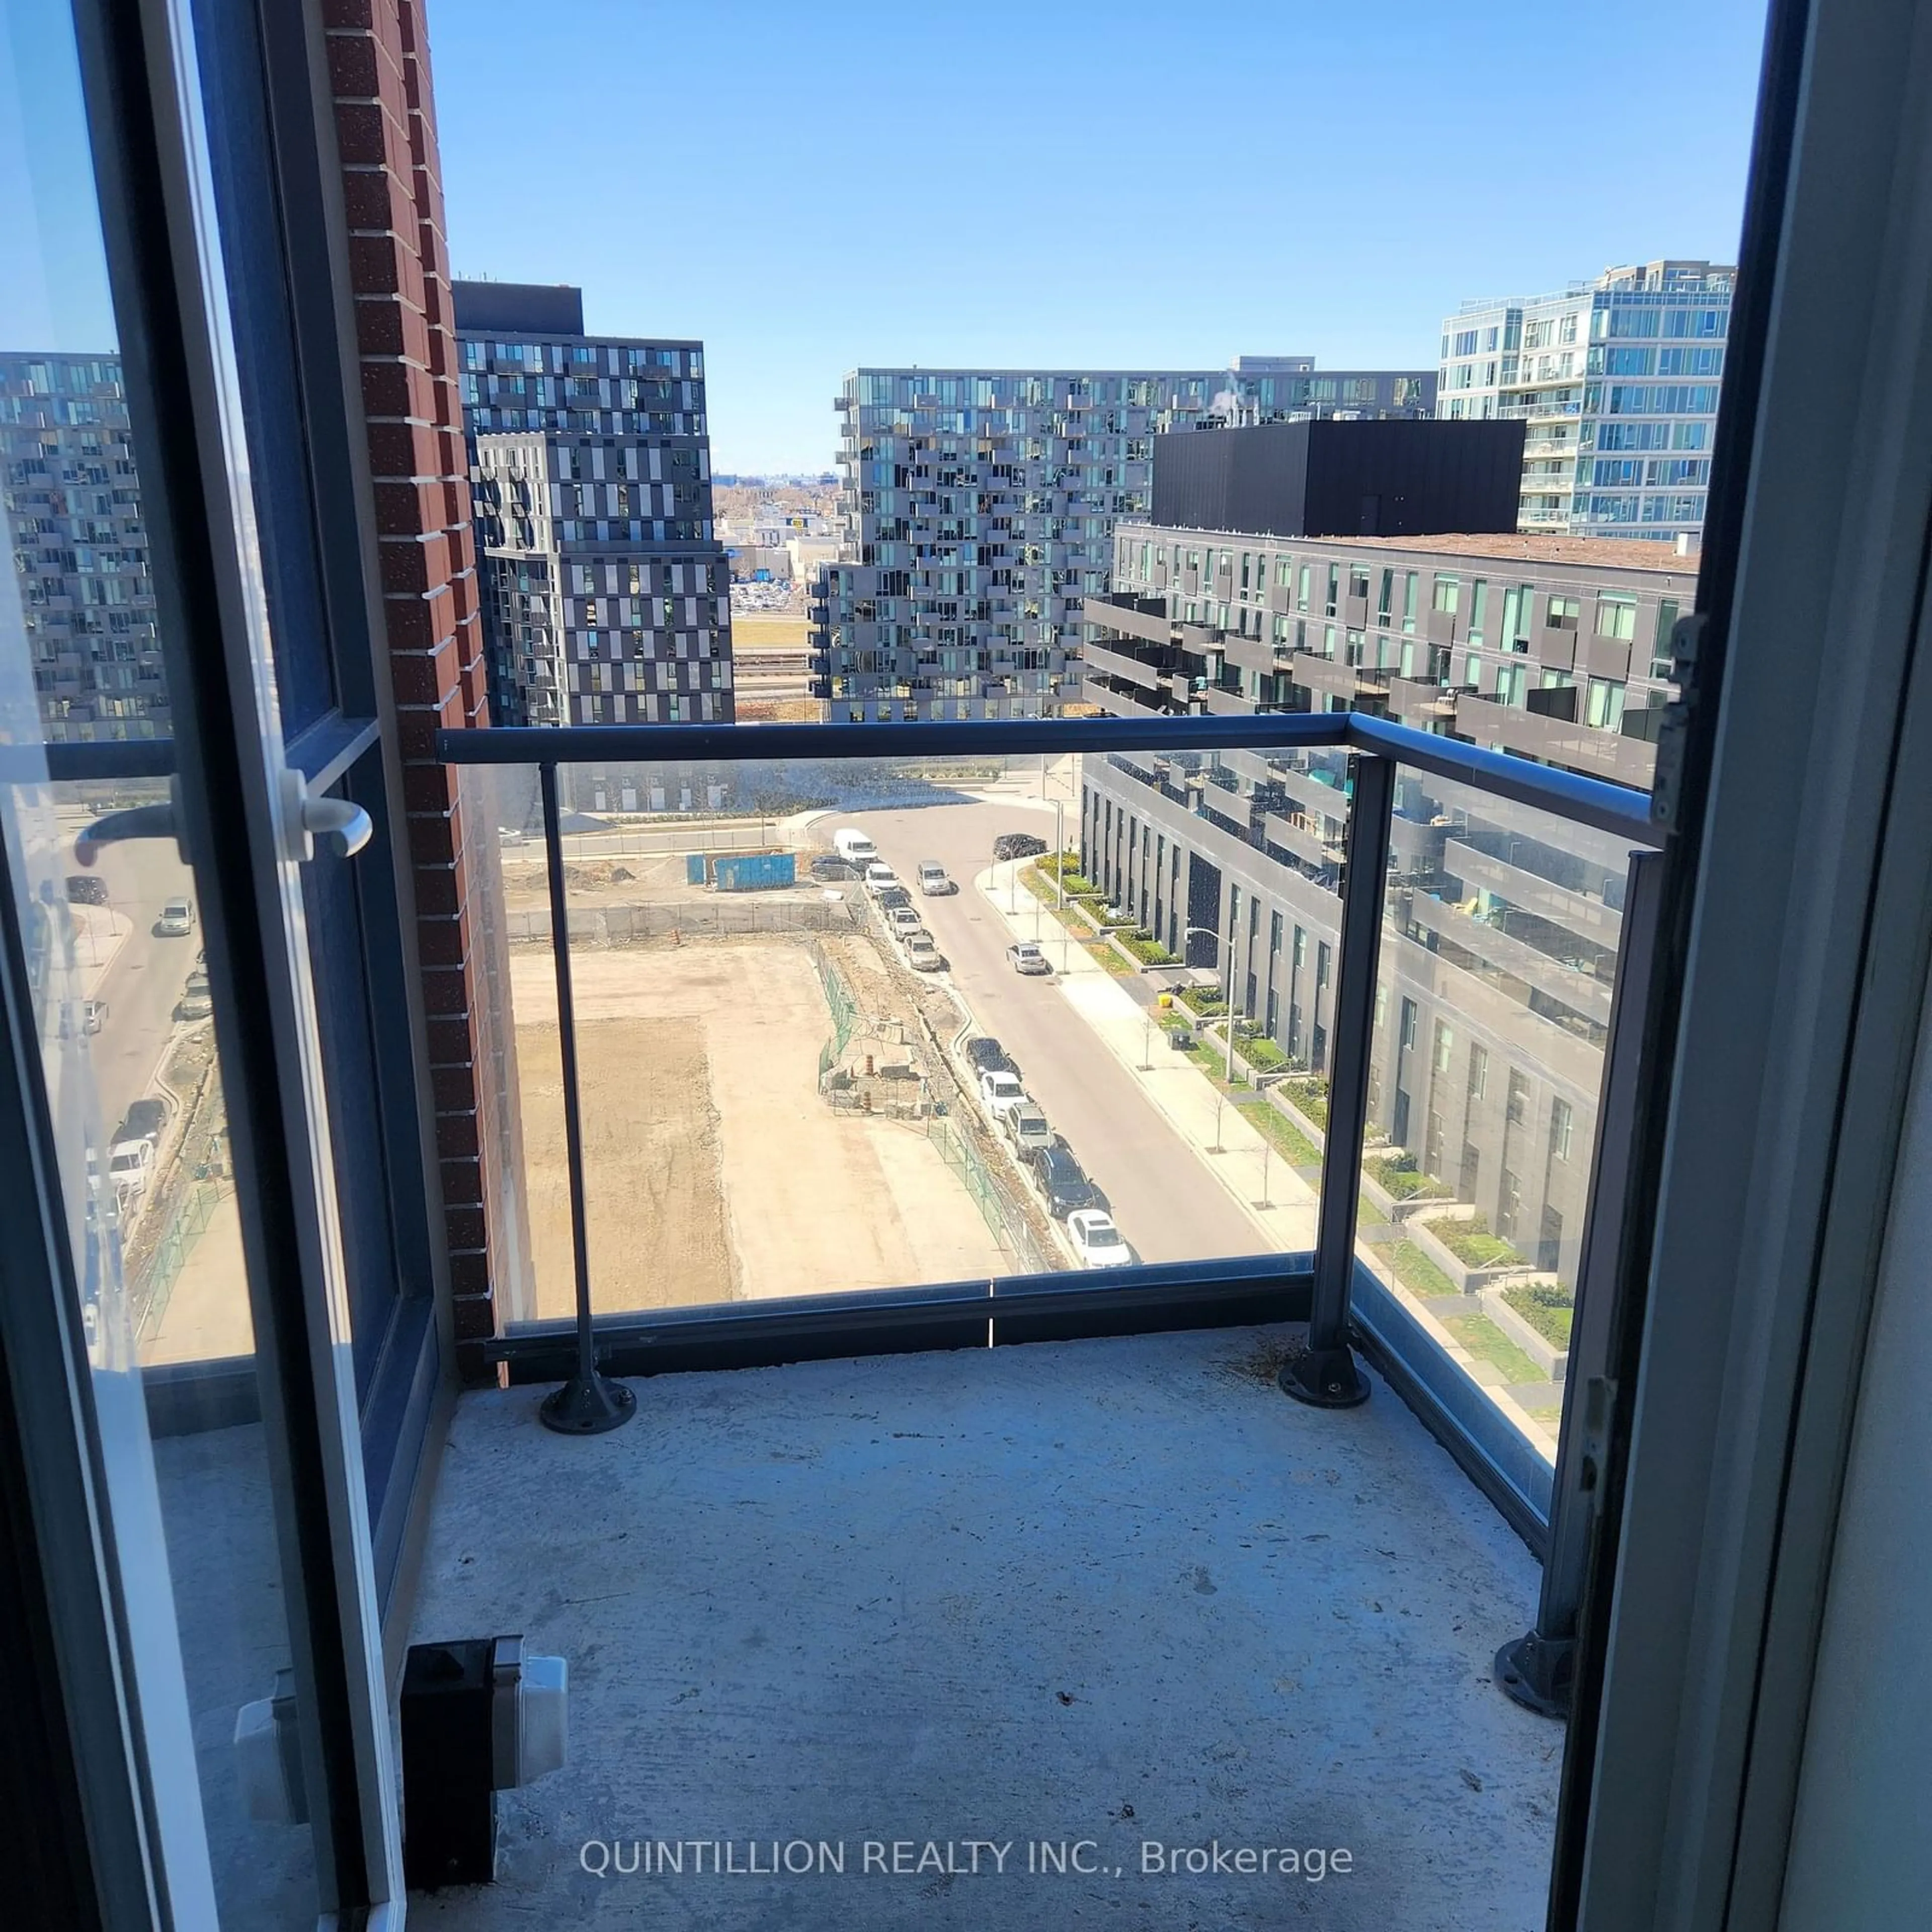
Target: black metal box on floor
{"x":453,"y":1717}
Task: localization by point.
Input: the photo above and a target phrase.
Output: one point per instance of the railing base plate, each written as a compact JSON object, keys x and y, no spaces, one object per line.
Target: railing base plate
{"x":588,"y":1406}
{"x":1326,"y":1379}
{"x":1536,"y":1671}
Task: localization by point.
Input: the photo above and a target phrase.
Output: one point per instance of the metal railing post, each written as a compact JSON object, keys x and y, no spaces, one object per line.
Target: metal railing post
{"x":1536,"y":1668}
{"x":1328,"y":1376}
{"x":589,"y":1403}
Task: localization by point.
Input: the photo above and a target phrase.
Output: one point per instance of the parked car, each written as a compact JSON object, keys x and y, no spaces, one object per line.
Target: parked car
{"x":93,"y":1016}
{"x":85,"y":889}
{"x":196,"y":1002}
{"x":1024,"y":956}
{"x":922,"y":953}
{"x":177,"y":920}
{"x":891,"y":898}
{"x":1000,"y":1092}
{"x":988,"y":1056}
{"x":854,"y":847}
{"x":1026,"y":1126}
{"x":829,"y":865}
{"x":904,"y":919}
{"x":880,"y":878}
{"x":933,"y":880}
{"x":130,"y":1165}
{"x":144,"y":1120}
{"x":510,"y":835}
{"x":1061,"y":1180}
{"x":1097,"y":1240}
{"x":1017,"y":845}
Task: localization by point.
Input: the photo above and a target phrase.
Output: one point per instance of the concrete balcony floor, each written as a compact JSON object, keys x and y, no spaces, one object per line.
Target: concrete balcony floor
{"x":1119,"y":1591}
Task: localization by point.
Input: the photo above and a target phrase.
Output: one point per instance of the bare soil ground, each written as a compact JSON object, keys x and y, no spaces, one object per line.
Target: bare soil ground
{"x":712,"y":1168}
{"x":651,"y":1173}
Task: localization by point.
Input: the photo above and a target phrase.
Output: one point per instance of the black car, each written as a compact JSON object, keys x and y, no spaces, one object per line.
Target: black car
{"x":988,"y":1056}
{"x":84,"y":888}
{"x":1061,"y":1180}
{"x":1017,"y":845}
{"x":144,"y":1121}
{"x":889,"y":898}
{"x":830,"y":865}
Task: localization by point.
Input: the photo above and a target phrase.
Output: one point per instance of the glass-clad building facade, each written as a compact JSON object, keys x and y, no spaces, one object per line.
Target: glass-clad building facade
{"x":70,"y":518}
{"x":978,"y":509}
{"x":605,"y":592}
{"x":1618,"y":381}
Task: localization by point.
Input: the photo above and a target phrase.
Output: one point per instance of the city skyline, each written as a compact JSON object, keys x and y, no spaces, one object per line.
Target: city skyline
{"x":799,"y":250}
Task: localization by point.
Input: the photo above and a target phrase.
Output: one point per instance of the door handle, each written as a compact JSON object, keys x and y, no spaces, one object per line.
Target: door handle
{"x":339,"y":827}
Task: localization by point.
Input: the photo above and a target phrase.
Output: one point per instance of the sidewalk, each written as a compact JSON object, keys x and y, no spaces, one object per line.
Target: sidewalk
{"x":1172,"y":1083}
{"x":100,"y":933}
{"x":1250,"y":1169}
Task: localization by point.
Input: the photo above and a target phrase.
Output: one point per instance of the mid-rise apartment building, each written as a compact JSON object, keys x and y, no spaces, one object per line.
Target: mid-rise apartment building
{"x":1500,"y":943}
{"x":605,"y":594}
{"x":1617,"y":380}
{"x":978,"y":509}
{"x":70,"y":503}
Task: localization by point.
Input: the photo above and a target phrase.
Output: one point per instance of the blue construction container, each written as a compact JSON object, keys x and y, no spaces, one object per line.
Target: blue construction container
{"x":755,"y":872}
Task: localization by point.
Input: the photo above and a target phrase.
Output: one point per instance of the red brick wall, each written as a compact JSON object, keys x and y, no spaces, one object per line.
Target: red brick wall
{"x":385,"y":123}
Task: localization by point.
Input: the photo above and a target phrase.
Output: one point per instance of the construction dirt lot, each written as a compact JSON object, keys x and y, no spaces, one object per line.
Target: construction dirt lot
{"x":713,"y":1170}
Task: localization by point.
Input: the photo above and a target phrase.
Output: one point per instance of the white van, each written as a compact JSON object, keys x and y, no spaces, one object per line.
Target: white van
{"x":854,"y":847}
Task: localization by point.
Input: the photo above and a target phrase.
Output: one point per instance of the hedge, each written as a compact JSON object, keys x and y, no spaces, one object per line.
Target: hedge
{"x":1472,"y":1243}
{"x":1547,"y":1308}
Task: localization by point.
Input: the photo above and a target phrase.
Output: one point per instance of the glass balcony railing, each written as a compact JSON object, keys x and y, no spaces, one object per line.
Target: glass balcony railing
{"x":1106,"y":1013}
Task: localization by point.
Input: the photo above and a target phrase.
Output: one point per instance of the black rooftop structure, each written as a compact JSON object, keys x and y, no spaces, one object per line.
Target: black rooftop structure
{"x":518,"y":308}
{"x":1335,"y":478}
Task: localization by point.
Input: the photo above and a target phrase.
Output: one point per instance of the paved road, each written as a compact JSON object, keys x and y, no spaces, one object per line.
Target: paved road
{"x":145,"y":979}
{"x":1168,"y":1205}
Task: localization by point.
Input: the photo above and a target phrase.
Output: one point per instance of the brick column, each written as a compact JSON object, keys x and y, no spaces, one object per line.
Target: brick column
{"x":385,"y":123}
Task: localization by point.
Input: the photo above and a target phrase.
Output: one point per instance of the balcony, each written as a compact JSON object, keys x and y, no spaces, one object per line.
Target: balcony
{"x":1107,"y":1591}
{"x":983,"y":1526}
{"x":940,"y":1622}
{"x":1621,"y":759}
{"x":1143,"y":617}
{"x":1123,"y":700}
{"x":1412,"y":701}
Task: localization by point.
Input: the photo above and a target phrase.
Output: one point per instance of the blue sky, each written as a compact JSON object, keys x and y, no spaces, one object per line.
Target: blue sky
{"x":1079,"y":183}
{"x":1084,"y":183}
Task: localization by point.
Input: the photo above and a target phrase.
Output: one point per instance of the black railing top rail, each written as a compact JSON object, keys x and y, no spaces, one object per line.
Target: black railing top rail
{"x":1616,"y":809}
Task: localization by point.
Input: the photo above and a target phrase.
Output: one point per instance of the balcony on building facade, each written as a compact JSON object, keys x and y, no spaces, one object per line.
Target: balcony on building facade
{"x":1425,"y":706}
{"x":1622,"y":758}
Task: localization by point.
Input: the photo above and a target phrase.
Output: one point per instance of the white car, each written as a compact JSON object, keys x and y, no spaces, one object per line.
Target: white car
{"x":1097,"y":1240}
{"x":904,"y":921}
{"x":922,"y":956}
{"x":177,"y":920}
{"x":1000,"y":1093}
{"x":1025,"y":957}
{"x":879,"y":877}
{"x":129,"y":1164}
{"x":933,"y":880}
